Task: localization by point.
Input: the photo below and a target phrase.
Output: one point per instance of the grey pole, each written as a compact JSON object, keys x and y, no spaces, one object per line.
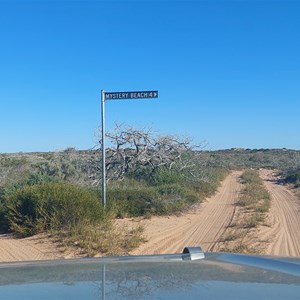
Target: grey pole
{"x":103,"y":281}
{"x":103,"y":150}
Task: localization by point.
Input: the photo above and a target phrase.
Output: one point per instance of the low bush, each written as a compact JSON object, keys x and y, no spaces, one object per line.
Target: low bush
{"x":165,"y":176}
{"x":246,"y":201}
{"x":131,"y":201}
{"x":256,"y":191}
{"x":255,"y":198}
{"x":254,"y":220}
{"x":50,"y":206}
{"x":105,"y":238}
{"x":165,"y":191}
{"x":141,"y":200}
{"x":293,"y":177}
{"x":251,"y":177}
{"x":3,"y":219}
{"x":74,"y":214}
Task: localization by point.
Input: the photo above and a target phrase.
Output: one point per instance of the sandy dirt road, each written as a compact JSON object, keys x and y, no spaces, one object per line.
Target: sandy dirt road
{"x":284,"y":219}
{"x":202,"y":227}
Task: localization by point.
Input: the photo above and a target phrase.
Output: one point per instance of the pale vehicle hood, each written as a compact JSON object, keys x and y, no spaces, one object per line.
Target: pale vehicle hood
{"x":217,"y":276}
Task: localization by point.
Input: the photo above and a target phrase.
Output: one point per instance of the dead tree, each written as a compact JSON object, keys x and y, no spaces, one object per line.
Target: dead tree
{"x":133,"y":148}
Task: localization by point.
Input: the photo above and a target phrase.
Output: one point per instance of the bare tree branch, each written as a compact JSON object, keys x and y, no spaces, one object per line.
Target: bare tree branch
{"x":132,"y":148}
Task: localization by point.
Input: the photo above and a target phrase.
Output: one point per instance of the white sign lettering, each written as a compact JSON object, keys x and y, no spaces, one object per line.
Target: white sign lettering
{"x":130,"y":95}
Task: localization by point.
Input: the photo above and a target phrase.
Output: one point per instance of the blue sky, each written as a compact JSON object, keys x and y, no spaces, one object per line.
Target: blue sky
{"x":227,"y":72}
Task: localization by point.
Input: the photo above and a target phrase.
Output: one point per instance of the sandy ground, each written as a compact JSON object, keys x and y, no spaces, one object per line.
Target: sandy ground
{"x":39,"y":247}
{"x":203,"y":226}
{"x":283,"y":233}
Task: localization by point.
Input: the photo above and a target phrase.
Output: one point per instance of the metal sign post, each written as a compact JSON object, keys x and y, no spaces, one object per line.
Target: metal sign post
{"x":117,"y":96}
{"x":103,"y":149}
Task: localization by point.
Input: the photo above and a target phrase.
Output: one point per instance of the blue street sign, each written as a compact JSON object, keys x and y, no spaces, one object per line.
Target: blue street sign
{"x":116,"y":96}
{"x":130,"y":95}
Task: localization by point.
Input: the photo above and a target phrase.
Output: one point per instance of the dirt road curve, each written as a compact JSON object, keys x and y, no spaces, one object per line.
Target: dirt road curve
{"x":284,"y":218}
{"x":203,"y":227}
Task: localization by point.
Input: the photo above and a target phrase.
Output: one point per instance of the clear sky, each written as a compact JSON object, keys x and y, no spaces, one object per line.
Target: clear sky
{"x":227,"y":72}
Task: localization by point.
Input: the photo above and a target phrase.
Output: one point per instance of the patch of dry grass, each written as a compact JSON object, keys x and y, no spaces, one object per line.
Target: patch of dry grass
{"x":103,"y":240}
{"x":253,"y":205}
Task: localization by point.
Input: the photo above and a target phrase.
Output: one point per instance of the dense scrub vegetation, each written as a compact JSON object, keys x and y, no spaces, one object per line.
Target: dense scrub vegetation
{"x":166,"y":192}
{"x":61,"y":192}
{"x":292,"y":176}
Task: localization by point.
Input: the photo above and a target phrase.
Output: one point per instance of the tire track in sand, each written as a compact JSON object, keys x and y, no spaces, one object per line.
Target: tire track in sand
{"x":202,"y":227}
{"x":33,"y":248}
{"x":284,"y":219}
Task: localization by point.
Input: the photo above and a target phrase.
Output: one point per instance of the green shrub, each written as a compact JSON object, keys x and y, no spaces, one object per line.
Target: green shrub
{"x":255,"y":198}
{"x":170,"y":189}
{"x":3,"y":219}
{"x":204,"y":188}
{"x":256,"y":191}
{"x":251,"y":177}
{"x":254,"y":220}
{"x":140,"y":173}
{"x":293,"y":177}
{"x":55,"y":206}
{"x":141,"y":199}
{"x":131,"y":201}
{"x":167,"y":176}
{"x":246,"y":201}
